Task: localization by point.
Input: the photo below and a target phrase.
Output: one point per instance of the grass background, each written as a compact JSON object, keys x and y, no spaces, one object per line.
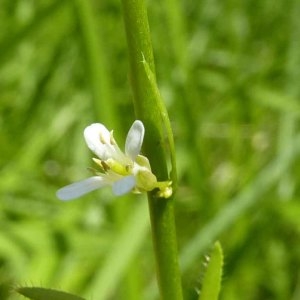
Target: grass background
{"x":229,"y":74}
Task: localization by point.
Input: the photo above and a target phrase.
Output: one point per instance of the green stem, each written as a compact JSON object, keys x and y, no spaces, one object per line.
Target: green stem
{"x":148,"y":109}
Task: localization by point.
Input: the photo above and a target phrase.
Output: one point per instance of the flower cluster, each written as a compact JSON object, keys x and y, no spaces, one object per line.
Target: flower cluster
{"x":124,"y":172}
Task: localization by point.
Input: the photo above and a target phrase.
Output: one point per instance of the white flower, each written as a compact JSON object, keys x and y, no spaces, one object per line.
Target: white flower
{"x":124,"y":172}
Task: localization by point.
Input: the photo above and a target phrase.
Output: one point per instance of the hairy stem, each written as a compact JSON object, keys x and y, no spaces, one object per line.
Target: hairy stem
{"x":148,"y":109}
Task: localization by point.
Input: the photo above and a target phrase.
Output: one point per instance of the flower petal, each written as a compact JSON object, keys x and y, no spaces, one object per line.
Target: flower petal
{"x":124,"y":185}
{"x":97,"y":138}
{"x":77,"y":189}
{"x":134,"y":139}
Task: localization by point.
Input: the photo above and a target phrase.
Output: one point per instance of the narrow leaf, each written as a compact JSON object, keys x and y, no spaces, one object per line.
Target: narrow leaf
{"x":212,"y":279}
{"x":165,"y":119}
{"x":37,"y":293}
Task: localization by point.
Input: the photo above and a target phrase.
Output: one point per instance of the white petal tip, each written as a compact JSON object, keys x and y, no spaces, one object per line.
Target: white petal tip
{"x":97,"y":137}
{"x":64,"y":195}
{"x":134,"y":139}
{"x":78,"y":189}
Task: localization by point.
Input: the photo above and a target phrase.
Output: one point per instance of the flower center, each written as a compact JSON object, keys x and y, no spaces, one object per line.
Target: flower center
{"x":114,"y":166}
{"x":118,"y":168}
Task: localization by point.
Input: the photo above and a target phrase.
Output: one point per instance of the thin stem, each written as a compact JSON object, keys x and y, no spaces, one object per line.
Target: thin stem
{"x":148,"y":109}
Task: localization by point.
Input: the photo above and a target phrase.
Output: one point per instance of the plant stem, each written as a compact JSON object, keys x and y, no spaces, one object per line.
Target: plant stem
{"x":149,"y":110}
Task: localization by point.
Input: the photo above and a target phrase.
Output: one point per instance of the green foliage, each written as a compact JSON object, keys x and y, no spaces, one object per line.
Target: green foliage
{"x":36,"y":293}
{"x":229,"y":74}
{"x":150,"y":108}
{"x":213,"y":275}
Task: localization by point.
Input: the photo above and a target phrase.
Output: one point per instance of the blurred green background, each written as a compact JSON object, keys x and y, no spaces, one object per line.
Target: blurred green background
{"x":229,"y":72}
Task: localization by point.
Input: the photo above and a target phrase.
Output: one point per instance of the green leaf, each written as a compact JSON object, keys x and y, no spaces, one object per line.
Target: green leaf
{"x":212,"y":279}
{"x":281,"y":102}
{"x":165,"y":119}
{"x":37,"y":293}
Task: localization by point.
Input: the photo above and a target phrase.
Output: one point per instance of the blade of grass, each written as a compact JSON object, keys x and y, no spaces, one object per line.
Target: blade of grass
{"x":247,"y":198}
{"x":119,"y":258}
{"x":13,"y":40}
{"x":96,"y":63}
{"x":288,"y":122}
